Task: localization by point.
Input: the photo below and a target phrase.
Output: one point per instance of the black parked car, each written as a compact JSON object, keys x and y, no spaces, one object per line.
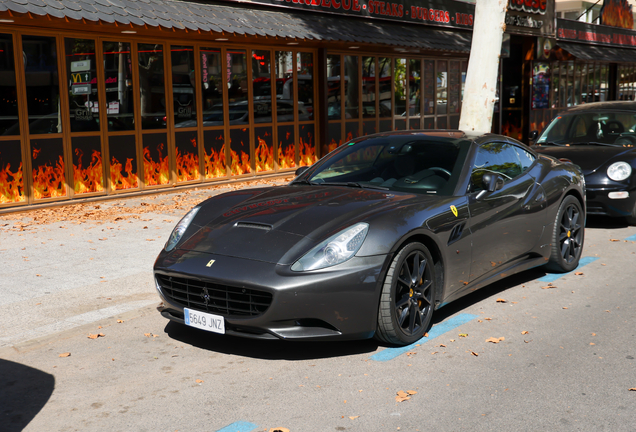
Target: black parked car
{"x":601,"y":139}
{"x":371,"y":239}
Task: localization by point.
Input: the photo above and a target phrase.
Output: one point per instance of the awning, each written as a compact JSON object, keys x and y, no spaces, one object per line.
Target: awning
{"x":599,"y":53}
{"x":248,"y":21}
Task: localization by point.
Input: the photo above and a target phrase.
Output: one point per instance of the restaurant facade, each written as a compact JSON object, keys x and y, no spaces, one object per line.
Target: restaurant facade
{"x":103,"y":98}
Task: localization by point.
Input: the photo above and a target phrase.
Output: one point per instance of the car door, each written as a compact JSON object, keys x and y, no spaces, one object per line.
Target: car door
{"x":504,"y":224}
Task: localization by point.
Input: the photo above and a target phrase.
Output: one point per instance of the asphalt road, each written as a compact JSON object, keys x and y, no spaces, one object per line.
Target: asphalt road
{"x":562,"y":357}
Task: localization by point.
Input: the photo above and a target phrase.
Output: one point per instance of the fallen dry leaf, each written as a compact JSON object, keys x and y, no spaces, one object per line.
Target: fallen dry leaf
{"x":614,"y":240}
{"x":632,"y":389}
{"x":150,"y":239}
{"x":474,"y":353}
{"x":279,"y":429}
{"x":402,"y":396}
{"x":488,"y":319}
{"x":66,"y":354}
{"x":495,"y":340}
{"x":95,"y":336}
{"x":198,"y":381}
{"x":463,"y":335}
{"x":500,"y":300}
{"x":442,"y":345}
{"x":525,"y":332}
{"x":565,"y":307}
{"x":592,"y":343}
{"x":120,"y":321}
{"x":548,"y":286}
{"x":353,"y":417}
{"x":578,"y":273}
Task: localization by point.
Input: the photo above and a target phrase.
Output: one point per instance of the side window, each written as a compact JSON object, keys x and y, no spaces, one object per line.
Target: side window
{"x":525,"y":157}
{"x":499,"y":158}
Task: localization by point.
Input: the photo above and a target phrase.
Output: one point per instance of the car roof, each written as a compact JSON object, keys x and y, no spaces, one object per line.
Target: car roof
{"x":602,"y":106}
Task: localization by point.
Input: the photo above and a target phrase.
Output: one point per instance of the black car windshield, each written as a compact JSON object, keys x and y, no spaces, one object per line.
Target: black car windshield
{"x":615,"y":128}
{"x":416,"y":163}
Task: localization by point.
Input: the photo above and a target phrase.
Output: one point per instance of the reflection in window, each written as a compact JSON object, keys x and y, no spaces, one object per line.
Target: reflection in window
{"x":429,"y":87}
{"x":9,"y":124}
{"x":43,"y":91}
{"x":368,"y":87}
{"x":333,"y":88}
{"x":237,"y":82}
{"x":305,"y":73}
{"x":284,"y":71}
{"x":183,"y":88}
{"x":442,"y":86}
{"x":351,"y":87}
{"x":82,"y":74}
{"x":400,"y":87}
{"x":152,"y":86}
{"x":119,"y":86}
{"x":385,"y":84}
{"x":496,"y":158}
{"x":454,"y":88}
{"x":211,"y":87}
{"x":415,"y":82}
{"x":262,"y":85}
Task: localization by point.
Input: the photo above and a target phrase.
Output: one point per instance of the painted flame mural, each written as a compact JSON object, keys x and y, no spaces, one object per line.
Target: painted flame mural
{"x":48,"y":179}
{"x":617,"y":13}
{"x":215,"y":163}
{"x":88,"y":179}
{"x":119,"y":181}
{"x":156,"y":172}
{"x":188,"y":164}
{"x":11,"y":184}
{"x":264,"y":152}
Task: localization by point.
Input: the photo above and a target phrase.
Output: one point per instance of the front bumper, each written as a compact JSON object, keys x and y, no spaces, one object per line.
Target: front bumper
{"x":340,"y":302}
{"x":600,"y":203}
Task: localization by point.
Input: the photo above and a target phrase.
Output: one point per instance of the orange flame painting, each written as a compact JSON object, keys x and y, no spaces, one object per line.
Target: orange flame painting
{"x":48,"y":181}
{"x":333,"y":145}
{"x":88,"y":179}
{"x":617,"y":13}
{"x":214,"y":163}
{"x":156,"y":172}
{"x":264,"y":156}
{"x":188,"y":164}
{"x":307,"y":153}
{"x":286,"y":157}
{"x":240,"y":164}
{"x":11,"y":185}
{"x":117,"y":178}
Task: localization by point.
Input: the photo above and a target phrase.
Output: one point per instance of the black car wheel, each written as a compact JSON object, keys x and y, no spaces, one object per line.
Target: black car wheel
{"x":406,"y":303}
{"x":568,"y":236}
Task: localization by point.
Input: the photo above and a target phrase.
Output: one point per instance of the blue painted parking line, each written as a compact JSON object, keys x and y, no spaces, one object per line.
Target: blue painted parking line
{"x":631,"y":238}
{"x":554,"y":276}
{"x":438,"y":330}
{"x":239,"y":426}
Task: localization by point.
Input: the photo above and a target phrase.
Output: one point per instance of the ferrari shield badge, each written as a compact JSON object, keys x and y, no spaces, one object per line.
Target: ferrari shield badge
{"x":209,"y":264}
{"x":453,"y":209}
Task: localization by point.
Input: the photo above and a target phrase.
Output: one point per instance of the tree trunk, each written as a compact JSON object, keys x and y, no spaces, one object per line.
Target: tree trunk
{"x":483,"y":65}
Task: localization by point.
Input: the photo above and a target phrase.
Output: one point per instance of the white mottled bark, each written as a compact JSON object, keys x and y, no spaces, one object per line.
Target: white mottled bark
{"x":483,"y":65}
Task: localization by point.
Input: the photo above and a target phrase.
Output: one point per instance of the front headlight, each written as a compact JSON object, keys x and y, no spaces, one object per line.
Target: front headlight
{"x":181,"y":227}
{"x":335,"y":250}
{"x":619,"y":171}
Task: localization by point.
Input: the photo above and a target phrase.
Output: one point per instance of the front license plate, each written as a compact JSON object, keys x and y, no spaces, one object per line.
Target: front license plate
{"x":204,"y":321}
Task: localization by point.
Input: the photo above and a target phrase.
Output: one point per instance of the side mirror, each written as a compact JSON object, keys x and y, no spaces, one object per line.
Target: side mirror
{"x":492,"y":182}
{"x":301,"y":170}
{"x":532,"y":136}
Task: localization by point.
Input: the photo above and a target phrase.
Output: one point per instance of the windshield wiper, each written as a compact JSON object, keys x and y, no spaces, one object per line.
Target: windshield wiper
{"x":355,"y":184}
{"x":595,"y":143}
{"x":551,"y":143}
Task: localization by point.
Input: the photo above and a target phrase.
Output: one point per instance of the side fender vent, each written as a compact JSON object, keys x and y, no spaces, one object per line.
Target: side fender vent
{"x":456,"y":233}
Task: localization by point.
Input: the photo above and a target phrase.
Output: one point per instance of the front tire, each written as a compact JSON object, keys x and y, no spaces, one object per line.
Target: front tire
{"x":567,"y":236}
{"x":406,"y":304}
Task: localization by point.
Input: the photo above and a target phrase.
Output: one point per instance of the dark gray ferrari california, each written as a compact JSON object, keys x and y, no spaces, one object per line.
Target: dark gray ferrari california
{"x":372,"y":238}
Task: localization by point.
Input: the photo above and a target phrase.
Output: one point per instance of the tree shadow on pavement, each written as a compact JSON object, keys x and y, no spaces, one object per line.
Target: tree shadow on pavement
{"x":23,"y":393}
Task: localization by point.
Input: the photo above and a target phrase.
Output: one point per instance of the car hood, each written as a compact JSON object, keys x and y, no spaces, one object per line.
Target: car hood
{"x":589,"y":157}
{"x":280,"y":224}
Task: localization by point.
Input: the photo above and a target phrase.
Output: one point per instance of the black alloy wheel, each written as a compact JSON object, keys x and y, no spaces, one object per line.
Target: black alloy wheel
{"x":568,"y":236}
{"x":406,"y":304}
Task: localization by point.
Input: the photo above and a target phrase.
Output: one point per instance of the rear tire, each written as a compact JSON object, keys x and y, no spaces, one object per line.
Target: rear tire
{"x":567,"y":236}
{"x":406,"y":303}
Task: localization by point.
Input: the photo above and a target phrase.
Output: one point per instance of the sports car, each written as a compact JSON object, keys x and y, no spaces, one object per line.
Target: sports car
{"x":371,"y":239}
{"x":600,"y":138}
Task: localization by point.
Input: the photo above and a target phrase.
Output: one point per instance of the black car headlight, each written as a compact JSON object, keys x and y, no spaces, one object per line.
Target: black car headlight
{"x":335,"y":250}
{"x":181,"y":227}
{"x":619,"y":171}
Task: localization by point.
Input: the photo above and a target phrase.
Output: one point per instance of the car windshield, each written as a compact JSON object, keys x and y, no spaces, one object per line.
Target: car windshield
{"x":614,"y":128}
{"x":415,"y":163}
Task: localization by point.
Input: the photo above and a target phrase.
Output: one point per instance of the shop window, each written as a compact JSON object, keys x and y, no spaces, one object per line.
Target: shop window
{"x":11,"y":172}
{"x":87,"y":165}
{"x":563,"y":84}
{"x":570,"y":83}
{"x":415,"y":84}
{"x":240,"y":162}
{"x":577,"y":83}
{"x":305,"y":74}
{"x":352,"y":99}
{"x":152,"y":86}
{"x":385,"y":83}
{"x":604,"y":82}
{"x":156,"y":163}
{"x":307,"y":150}
{"x":334,"y":138}
{"x":286,"y":148}
{"x":42,"y":87}
{"x":464,"y":71}
{"x":284,"y":72}
{"x":429,"y":87}
{"x":368,"y":88}
{"x":555,"y":78}
{"x":214,"y":154}
{"x":212,"y":88}
{"x":453,"y":88}
{"x":119,"y":103}
{"x":442,"y":87}
{"x":187,"y":156}
{"x":183,"y":87}
{"x":9,"y":124}
{"x":334,"y":108}
{"x":81,"y":73}
{"x":123,"y":162}
{"x":400,"y":88}
{"x":238,"y":91}
{"x":263,"y":149}
{"x":262,"y":86}
{"x":48,"y":168}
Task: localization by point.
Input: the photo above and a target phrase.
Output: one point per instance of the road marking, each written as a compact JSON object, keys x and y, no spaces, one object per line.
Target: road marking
{"x":74,"y":321}
{"x":631,"y":238}
{"x":554,"y":276}
{"x":239,"y":426}
{"x":435,"y":331}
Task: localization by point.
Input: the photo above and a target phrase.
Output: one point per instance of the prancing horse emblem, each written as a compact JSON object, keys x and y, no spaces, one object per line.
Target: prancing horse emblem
{"x":206,"y":296}
{"x":209,"y":264}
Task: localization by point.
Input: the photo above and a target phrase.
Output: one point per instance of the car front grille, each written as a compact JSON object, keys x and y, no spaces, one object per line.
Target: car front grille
{"x":214,"y":298}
